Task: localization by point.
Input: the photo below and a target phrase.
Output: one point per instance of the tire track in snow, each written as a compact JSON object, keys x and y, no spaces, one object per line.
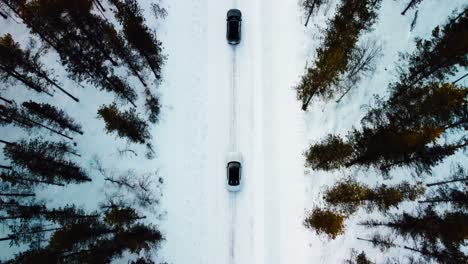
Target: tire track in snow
{"x":234,"y":147}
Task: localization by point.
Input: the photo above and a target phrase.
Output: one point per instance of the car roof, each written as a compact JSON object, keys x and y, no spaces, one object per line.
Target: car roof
{"x":234,"y":13}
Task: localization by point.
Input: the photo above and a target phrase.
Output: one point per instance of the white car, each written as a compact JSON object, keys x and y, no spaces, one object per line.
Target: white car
{"x":234,"y":171}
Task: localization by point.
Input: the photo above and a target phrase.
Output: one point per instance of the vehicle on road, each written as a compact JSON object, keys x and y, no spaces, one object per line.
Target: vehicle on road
{"x":234,"y":171}
{"x":233,"y":33}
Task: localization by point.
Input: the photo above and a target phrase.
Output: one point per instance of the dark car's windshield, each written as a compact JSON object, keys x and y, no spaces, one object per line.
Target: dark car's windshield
{"x":233,"y":29}
{"x":234,"y":173}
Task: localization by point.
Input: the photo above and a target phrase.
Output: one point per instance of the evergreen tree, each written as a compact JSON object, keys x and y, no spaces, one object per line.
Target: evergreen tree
{"x":52,"y":116}
{"x":348,"y":195}
{"x":126,"y":124}
{"x":356,"y":258}
{"x":429,"y":228}
{"x":441,"y":105}
{"x":325,"y":222}
{"x":152,"y":105}
{"x":95,"y":240}
{"x":79,"y":37}
{"x":21,"y":117}
{"x":453,"y":192}
{"x":330,"y":153}
{"x":15,"y":64}
{"x":23,"y":66}
{"x":437,"y":58}
{"x":46,"y":161}
{"x":140,"y":37}
{"x":401,"y":132}
{"x":352,"y":19}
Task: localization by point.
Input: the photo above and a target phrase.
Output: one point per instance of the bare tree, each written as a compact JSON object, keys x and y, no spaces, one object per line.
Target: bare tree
{"x":362,"y":64}
{"x":158,"y":11}
{"x":130,"y":187}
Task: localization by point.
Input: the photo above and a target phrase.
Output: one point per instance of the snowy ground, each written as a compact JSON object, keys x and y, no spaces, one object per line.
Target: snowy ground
{"x":263,"y":222}
{"x":218,"y":98}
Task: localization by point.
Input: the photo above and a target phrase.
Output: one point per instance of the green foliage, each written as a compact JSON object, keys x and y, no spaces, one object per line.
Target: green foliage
{"x":352,"y":19}
{"x":440,"y":56}
{"x":52,"y":116}
{"x":325,"y":222}
{"x":45,"y":160}
{"x":331,"y":153}
{"x":348,"y":195}
{"x":19,"y":64}
{"x":142,"y":39}
{"x":93,"y":240}
{"x":430,"y":228}
{"x":126,"y":124}
{"x":83,"y":40}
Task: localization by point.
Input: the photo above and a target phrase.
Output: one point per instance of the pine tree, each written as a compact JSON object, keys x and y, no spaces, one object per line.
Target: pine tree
{"x":437,"y":58}
{"x":331,"y":153}
{"x":126,"y":124}
{"x":52,"y":116}
{"x":352,"y":19}
{"x":78,"y":37}
{"x":26,"y":68}
{"x":129,"y":14}
{"x":152,"y":105}
{"x":93,"y":240}
{"x":453,"y":192}
{"x":11,"y":114}
{"x":46,"y":161}
{"x":325,"y":222}
{"x":400,"y":132}
{"x":441,"y":105}
{"x":430,"y":228}
{"x":348,"y":195}
{"x":15,"y":64}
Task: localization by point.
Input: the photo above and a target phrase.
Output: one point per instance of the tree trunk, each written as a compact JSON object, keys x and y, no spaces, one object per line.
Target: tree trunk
{"x":151,"y":65}
{"x":411,"y":3}
{"x":18,"y":194}
{"x":445,"y":182}
{"x":41,"y":74}
{"x":48,"y":128}
{"x":6,"y":100}
{"x":113,"y":84}
{"x":100,"y":5}
{"x":6,"y":142}
{"x":4,"y":15}
{"x":437,"y":200}
{"x":459,"y":79}
{"x":11,"y":237}
{"x":306,"y":103}
{"x":43,"y":37}
{"x":5,"y":168}
{"x":310,"y":12}
{"x":20,"y":179}
{"x":22,"y":79}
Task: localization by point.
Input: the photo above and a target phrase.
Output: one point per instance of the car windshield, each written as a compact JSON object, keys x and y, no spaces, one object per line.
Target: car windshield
{"x":234,"y":173}
{"x":233,"y":29}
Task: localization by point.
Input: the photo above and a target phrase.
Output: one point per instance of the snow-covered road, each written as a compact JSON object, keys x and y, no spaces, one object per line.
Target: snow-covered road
{"x":219,"y":101}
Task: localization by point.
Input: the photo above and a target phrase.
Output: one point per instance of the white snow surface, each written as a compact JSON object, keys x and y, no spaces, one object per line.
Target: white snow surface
{"x":218,"y":98}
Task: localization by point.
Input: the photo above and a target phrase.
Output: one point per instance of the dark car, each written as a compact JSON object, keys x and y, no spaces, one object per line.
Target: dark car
{"x":234,"y":171}
{"x":234,"y":19}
